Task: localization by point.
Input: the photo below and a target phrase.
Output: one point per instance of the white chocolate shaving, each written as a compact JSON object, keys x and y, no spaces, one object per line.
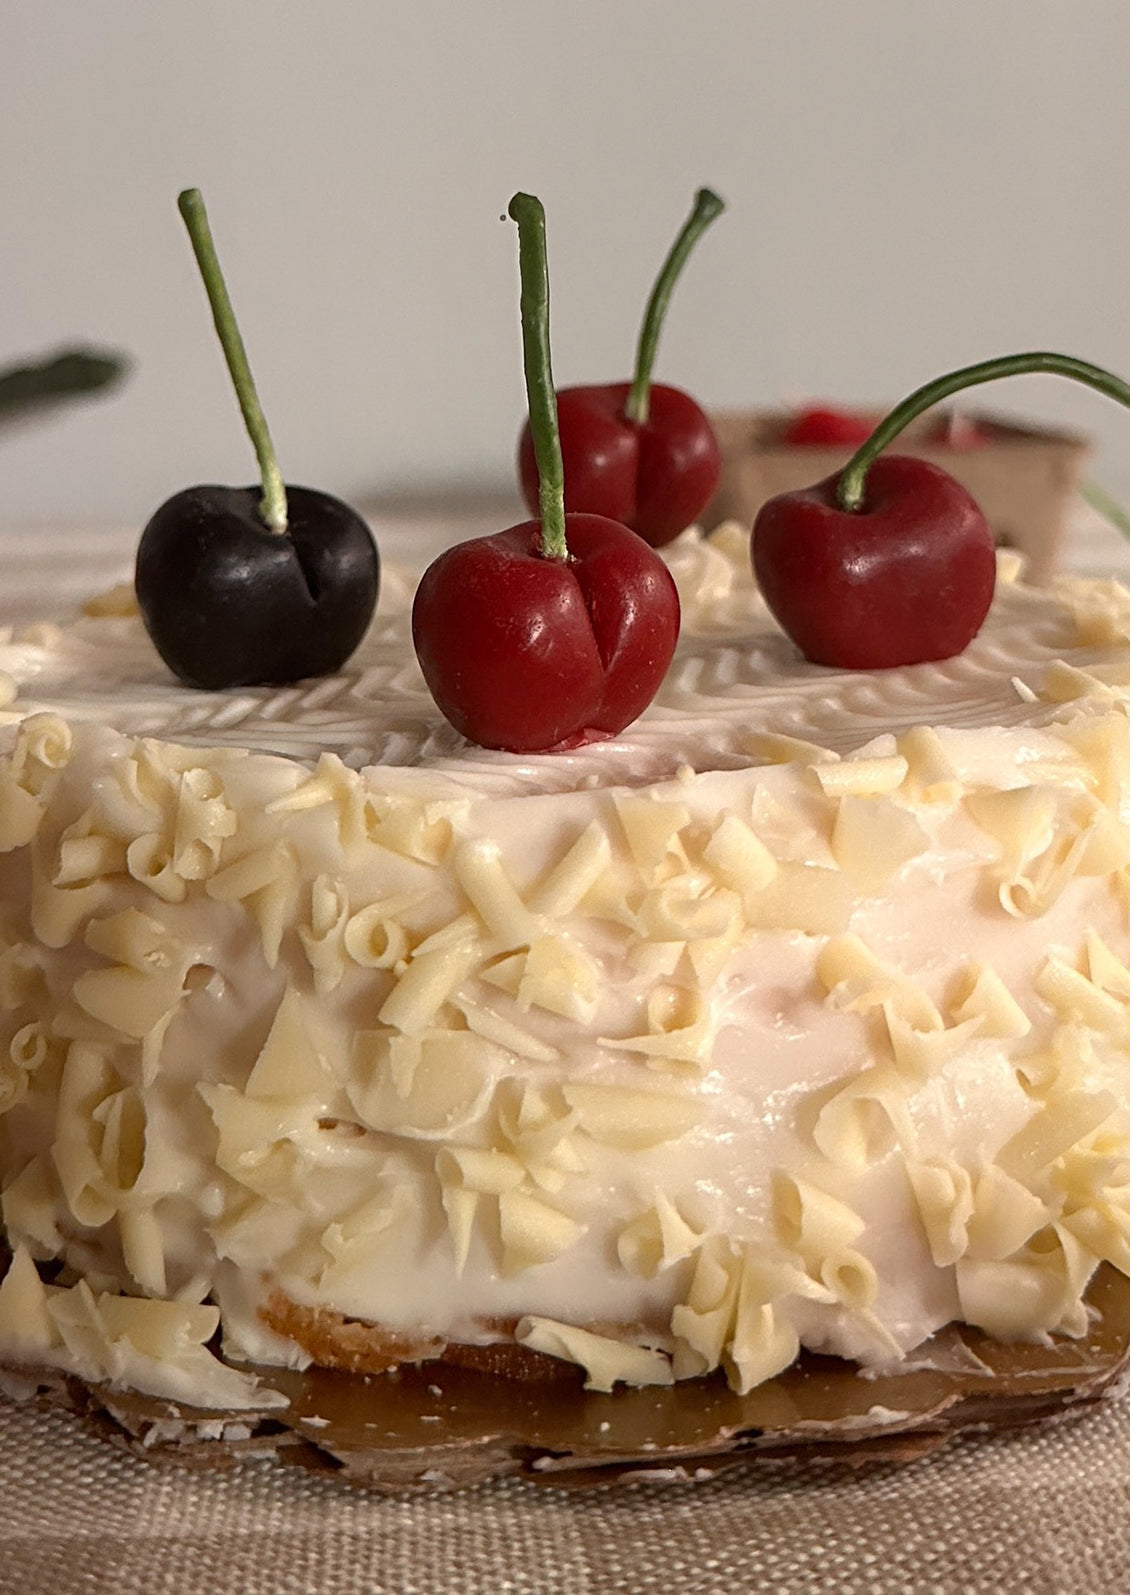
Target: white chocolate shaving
{"x":532,"y":1232}
{"x":448,"y":1081}
{"x":739,"y":858}
{"x":776,"y":748}
{"x":873,"y":838}
{"x":323,"y":938}
{"x":482,"y":875}
{"x":29,"y":1207}
{"x":630,"y":1117}
{"x":731,"y":1318}
{"x":1005,"y":1215}
{"x":943,"y":1191}
{"x":680,"y":1029}
{"x":204,"y":821}
{"x":861,"y":777}
{"x":804,"y":897}
{"x":560,"y":976}
{"x":862,"y":1120}
{"x":290,"y":1064}
{"x":606,"y":1362}
{"x":504,"y":1033}
{"x":656,"y":1239}
{"x":374,"y":938}
{"x":987,"y":1001}
{"x":426,"y":984}
{"x":930,"y":775}
{"x":652,"y":829}
{"x":1053,"y":1130}
{"x":811,"y":1221}
{"x":574,"y":875}
{"x":1075,"y":996}
{"x":149,"y":859}
{"x":856,"y":980}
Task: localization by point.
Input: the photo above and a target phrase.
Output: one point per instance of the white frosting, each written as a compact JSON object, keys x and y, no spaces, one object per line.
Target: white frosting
{"x":798,"y":1014}
{"x":734,"y":676}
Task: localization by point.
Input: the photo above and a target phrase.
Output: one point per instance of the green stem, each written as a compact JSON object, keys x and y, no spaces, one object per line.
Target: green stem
{"x":540,"y":395}
{"x":272,"y":506}
{"x":707,"y":206}
{"x":853,"y":478}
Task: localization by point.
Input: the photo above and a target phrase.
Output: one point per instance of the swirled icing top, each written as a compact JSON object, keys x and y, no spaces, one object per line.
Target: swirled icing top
{"x":735,"y":679}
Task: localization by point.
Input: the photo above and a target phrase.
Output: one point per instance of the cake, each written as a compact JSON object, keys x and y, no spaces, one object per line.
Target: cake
{"x":796,"y":1016}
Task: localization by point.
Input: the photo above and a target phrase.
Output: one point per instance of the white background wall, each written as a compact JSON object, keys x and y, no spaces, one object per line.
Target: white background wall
{"x":912,"y":184}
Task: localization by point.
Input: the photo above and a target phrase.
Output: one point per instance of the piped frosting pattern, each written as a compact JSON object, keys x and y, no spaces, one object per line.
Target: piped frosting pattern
{"x":734,"y":679}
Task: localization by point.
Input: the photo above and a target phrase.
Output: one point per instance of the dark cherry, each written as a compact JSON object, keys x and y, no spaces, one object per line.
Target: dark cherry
{"x":242,"y":586}
{"x":229,"y":603}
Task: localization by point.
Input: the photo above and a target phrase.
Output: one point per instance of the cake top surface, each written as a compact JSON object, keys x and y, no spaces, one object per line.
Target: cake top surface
{"x":736,"y":684}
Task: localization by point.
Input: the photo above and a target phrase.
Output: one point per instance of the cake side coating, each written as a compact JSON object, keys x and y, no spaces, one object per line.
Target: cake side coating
{"x":798,"y":1014}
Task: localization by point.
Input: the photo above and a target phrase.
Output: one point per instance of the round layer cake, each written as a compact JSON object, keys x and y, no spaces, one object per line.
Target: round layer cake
{"x":795,"y":1016}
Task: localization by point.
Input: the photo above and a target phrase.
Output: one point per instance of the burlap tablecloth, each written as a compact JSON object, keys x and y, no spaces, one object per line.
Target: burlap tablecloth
{"x":1039,"y":1511}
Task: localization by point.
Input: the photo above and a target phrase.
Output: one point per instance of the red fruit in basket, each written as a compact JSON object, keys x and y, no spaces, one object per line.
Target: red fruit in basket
{"x":822,"y":424}
{"x":958,"y":432}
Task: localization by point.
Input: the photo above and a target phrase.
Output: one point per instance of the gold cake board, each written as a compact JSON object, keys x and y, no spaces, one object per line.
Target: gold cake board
{"x":436,"y":1426}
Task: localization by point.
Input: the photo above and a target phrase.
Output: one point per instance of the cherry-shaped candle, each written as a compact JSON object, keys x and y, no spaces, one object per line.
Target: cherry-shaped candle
{"x":557,"y":631}
{"x":890,"y":561}
{"x":639,"y":452}
{"x":240,"y":586}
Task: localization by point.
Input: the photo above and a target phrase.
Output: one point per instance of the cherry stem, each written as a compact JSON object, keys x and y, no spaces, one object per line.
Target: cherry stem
{"x":707,"y":206}
{"x":853,"y":477}
{"x":272,"y":506}
{"x":541,"y":398}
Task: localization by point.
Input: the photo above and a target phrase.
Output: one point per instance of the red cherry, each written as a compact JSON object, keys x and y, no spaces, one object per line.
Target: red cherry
{"x":655,"y":476}
{"x":529,"y":653}
{"x":906,"y":578}
{"x":820,"y":424}
{"x":638,"y":452}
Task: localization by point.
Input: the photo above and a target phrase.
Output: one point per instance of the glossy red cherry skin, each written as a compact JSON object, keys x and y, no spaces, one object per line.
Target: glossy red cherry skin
{"x":532,"y":654}
{"x":655,"y":476}
{"x":907,"y":578}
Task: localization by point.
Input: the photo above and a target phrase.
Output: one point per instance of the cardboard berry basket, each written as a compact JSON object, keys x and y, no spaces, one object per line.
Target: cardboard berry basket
{"x":1023,"y":476}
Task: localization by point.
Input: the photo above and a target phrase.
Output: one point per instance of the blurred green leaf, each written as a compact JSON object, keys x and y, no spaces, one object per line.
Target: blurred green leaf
{"x":70,"y":374}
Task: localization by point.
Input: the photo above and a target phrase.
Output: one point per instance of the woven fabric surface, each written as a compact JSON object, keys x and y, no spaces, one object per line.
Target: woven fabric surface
{"x":1040,"y":1511}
